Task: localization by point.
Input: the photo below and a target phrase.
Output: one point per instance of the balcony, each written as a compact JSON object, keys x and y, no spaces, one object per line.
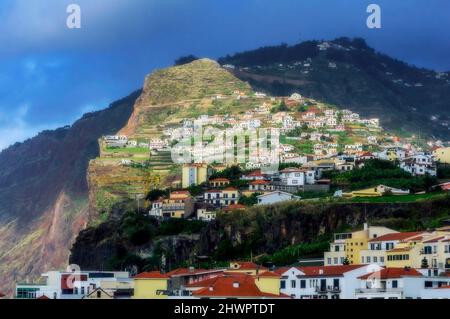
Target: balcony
{"x":379,"y":290}
{"x":328,"y":289}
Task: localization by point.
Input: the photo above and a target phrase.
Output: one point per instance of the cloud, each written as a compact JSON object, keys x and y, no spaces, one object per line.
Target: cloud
{"x":14,"y":127}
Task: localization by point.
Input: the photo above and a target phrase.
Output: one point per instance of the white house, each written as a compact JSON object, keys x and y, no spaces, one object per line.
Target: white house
{"x":276,"y":197}
{"x":323,"y":282}
{"x":292,"y":177}
{"x":399,"y":283}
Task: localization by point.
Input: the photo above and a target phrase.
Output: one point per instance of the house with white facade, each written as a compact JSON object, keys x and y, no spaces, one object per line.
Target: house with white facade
{"x":323,"y":282}
{"x":276,"y":197}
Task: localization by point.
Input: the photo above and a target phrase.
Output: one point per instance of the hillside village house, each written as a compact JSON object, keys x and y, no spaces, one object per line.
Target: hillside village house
{"x":442,"y":155}
{"x":115,"y":140}
{"x":180,"y":204}
{"x":398,"y":283}
{"x":194,"y":174}
{"x":380,"y":190}
{"x":323,"y":282}
{"x":222,"y":198}
{"x":419,"y":165}
{"x":349,"y":245}
{"x":276,"y":197}
{"x":76,"y":285}
{"x":219,"y":182}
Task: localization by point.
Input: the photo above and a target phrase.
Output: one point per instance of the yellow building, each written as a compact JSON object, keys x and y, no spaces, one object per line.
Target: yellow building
{"x":150,"y":285}
{"x":377,"y":191}
{"x":179,"y":205}
{"x":349,"y":246}
{"x":442,"y":155}
{"x":194,"y":174}
{"x":268,"y":282}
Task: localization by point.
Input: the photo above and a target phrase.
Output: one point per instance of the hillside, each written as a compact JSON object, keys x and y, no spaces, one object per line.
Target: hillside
{"x":348,"y":73}
{"x":54,"y":184}
{"x":43,"y":192}
{"x":169,"y":97}
{"x":258,"y":231}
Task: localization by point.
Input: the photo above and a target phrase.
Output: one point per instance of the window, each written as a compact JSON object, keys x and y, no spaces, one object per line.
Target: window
{"x":99,"y":294}
{"x":336,"y":260}
{"x":293,"y":283}
{"x":368,"y":259}
{"x":329,"y":261}
{"x":394,"y":284}
{"x":82,"y":290}
{"x":375,"y":259}
{"x":381,"y":259}
{"x":303,"y":284}
{"x":283,"y":284}
{"x":336,"y":248}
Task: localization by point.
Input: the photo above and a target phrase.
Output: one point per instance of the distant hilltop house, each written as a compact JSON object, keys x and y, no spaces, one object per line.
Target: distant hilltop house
{"x":276,"y":197}
{"x":296,"y":97}
{"x":442,"y":155}
{"x":115,"y":140}
{"x":379,"y":190}
{"x":419,"y":165}
{"x":180,"y":204}
{"x":194,"y":174}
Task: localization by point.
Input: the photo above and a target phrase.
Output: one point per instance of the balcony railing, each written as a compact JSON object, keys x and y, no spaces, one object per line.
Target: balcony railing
{"x":378,"y":290}
{"x":324,"y":290}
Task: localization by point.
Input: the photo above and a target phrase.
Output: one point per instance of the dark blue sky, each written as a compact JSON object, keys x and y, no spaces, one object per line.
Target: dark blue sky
{"x":50,"y":75}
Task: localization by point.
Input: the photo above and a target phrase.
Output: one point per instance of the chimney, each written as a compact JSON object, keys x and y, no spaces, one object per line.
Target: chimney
{"x":320,"y":271}
{"x":366,"y":226}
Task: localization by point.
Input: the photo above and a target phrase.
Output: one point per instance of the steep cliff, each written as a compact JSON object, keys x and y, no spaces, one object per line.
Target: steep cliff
{"x":260,"y":230}
{"x":43,"y":193}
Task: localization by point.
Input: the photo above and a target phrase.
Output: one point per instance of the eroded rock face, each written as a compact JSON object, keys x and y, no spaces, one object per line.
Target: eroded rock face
{"x":44,"y":193}
{"x":259,"y":230}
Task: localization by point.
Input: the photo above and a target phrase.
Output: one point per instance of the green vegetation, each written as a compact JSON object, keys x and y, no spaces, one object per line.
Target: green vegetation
{"x":291,"y":254}
{"x":399,"y":199}
{"x":376,"y":172}
{"x":249,"y":200}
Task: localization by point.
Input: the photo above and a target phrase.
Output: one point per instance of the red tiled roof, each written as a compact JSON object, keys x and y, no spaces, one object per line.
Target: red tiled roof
{"x":396,"y":236}
{"x":434,"y":240}
{"x":231,"y":189}
{"x":280,"y":271}
{"x":234,"y":286}
{"x":254,"y":173}
{"x":151,"y":275}
{"x":260,"y":182}
{"x":444,"y":287}
{"x":391,"y":273}
{"x":180,"y":193}
{"x":188,"y":272}
{"x":204,"y":283}
{"x":247,"y":265}
{"x":328,"y":270}
{"x":43,"y":297}
{"x":367,"y":154}
{"x":219,"y":180}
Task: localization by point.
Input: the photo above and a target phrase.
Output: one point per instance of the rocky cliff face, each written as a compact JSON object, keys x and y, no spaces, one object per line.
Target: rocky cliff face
{"x":43,"y":193}
{"x":259,"y":230}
